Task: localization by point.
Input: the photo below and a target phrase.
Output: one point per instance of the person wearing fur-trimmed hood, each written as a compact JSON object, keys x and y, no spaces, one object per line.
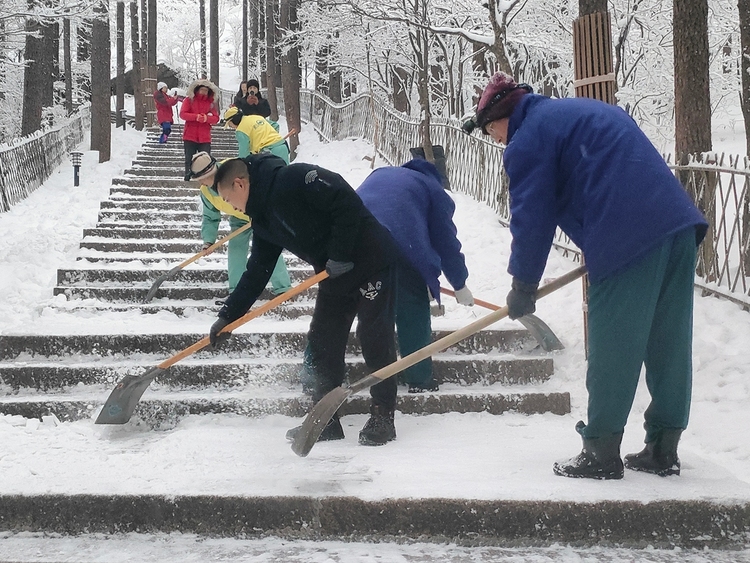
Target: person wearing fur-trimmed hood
{"x":200,"y":111}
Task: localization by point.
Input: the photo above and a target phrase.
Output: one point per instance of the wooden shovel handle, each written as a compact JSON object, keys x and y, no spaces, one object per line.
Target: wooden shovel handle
{"x":457,"y":336}
{"x":202,"y":343}
{"x":215,"y":245}
{"x":485,"y":304}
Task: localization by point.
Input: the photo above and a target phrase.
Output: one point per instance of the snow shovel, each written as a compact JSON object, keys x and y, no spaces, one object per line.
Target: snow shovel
{"x":324,"y":410}
{"x":205,"y":252}
{"x":537,"y":327}
{"x":121,"y":403}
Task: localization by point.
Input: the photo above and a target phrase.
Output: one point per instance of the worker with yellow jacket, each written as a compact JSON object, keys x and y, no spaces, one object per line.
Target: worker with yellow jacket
{"x":255,"y":134}
{"x":204,"y":168}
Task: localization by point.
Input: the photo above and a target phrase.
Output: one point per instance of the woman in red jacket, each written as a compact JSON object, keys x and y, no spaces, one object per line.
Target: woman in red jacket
{"x":164,"y":103}
{"x":200,"y":111}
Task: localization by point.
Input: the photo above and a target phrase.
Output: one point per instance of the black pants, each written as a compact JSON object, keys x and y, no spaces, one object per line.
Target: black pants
{"x":191,"y":147}
{"x":372,"y":302}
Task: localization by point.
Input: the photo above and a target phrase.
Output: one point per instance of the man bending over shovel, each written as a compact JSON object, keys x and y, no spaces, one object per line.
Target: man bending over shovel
{"x":316,"y":215}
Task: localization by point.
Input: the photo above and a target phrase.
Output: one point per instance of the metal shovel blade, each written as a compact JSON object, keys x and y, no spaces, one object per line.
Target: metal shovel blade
{"x":155,"y":287}
{"x":542,"y":333}
{"x":124,"y":397}
{"x":317,"y":419}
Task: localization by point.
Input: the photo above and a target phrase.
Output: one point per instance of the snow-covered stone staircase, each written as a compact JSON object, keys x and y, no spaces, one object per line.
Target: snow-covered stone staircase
{"x":150,"y":223}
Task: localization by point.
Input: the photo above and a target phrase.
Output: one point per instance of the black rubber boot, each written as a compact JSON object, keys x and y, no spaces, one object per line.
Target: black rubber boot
{"x":659,"y":456}
{"x":379,"y":429}
{"x":599,"y":459}
{"x":332,"y":431}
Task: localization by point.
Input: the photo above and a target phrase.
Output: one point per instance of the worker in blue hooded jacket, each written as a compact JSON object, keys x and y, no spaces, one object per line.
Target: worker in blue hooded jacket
{"x":586,"y":167}
{"x":411,"y":203}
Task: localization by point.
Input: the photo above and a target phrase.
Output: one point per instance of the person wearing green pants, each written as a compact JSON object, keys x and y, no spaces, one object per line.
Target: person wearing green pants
{"x":204,"y":168}
{"x":584,"y":166}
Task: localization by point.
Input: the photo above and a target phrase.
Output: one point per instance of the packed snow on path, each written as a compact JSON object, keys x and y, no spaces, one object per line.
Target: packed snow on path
{"x":474,"y":455}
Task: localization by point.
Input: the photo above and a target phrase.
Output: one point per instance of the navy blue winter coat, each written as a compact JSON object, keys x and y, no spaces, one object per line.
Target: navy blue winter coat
{"x":586,"y":167}
{"x":411,"y":203}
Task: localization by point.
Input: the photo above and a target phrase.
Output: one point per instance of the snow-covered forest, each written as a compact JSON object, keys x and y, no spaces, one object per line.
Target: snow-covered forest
{"x":346,"y":47}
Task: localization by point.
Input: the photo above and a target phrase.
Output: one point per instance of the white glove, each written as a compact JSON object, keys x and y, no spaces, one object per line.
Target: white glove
{"x":464,"y":296}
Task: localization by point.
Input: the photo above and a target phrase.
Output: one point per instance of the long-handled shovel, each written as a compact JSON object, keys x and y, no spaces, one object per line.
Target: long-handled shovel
{"x":541,"y":332}
{"x":122,"y":401}
{"x":205,"y":252}
{"x":322,"y":412}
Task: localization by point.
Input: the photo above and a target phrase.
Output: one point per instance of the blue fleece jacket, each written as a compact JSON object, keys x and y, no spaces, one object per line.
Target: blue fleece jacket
{"x":586,"y":167}
{"x":411,"y":203}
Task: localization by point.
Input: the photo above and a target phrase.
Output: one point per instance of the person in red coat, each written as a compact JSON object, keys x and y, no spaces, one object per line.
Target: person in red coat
{"x":200,"y":111}
{"x":164,"y":103}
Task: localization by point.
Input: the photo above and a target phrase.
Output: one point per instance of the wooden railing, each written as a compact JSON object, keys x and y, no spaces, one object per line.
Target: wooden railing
{"x":27,"y":163}
{"x":719,"y":185}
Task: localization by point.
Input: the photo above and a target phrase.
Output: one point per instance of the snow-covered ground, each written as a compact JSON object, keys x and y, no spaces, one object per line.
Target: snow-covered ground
{"x":477,"y":455}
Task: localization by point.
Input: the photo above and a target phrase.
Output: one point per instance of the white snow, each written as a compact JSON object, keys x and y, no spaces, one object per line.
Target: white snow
{"x":478,"y":456}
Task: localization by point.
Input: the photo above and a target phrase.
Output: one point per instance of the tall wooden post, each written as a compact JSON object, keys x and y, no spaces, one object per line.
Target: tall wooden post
{"x":594,"y":78}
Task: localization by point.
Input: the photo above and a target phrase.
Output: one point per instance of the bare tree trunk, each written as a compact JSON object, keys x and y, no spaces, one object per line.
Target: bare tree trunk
{"x":291,"y":75}
{"x":257,"y":53}
{"x":50,"y":60}
{"x":321,"y":69}
{"x":271,"y":59}
{"x":135,"y":74}
{"x":203,"y":72}
{"x":83,"y":54}
{"x":152,"y":35}
{"x":692,"y":110}
{"x":400,"y":80}
{"x":68,"y":67}
{"x":101,"y":132}
{"x":120,"y":78}
{"x":744,"y":9}
{"x":213,"y":16}
{"x":148,"y":74}
{"x":33,"y":80}
{"x":245,"y":32}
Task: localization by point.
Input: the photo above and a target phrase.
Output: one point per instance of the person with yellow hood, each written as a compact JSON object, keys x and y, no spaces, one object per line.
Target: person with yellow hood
{"x":255,"y":134}
{"x":203,"y":170}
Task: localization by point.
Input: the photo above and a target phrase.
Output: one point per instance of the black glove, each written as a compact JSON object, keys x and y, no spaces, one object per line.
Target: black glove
{"x":521,"y":299}
{"x":336,"y":268}
{"x":218,"y":339}
{"x":206,"y":246}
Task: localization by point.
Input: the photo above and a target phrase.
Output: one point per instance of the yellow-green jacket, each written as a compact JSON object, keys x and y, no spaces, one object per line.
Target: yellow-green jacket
{"x":254,"y":133}
{"x":213,"y":207}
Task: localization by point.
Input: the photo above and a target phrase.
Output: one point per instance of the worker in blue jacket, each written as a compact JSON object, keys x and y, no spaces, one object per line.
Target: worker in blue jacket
{"x":585,"y":166}
{"x":411,"y":203}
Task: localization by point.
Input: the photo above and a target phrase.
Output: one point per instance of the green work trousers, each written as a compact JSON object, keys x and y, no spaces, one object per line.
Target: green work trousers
{"x":640,"y":316}
{"x":237,"y":258}
{"x":413,"y":323}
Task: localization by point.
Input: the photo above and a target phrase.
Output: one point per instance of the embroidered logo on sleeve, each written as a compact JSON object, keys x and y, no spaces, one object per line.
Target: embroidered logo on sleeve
{"x":311,"y":176}
{"x":371,"y":291}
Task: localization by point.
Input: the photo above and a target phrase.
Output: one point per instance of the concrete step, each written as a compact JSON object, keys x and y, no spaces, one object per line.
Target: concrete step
{"x":206,"y":370}
{"x":186,"y":190}
{"x":152,"y":182}
{"x":172,"y":204}
{"x":669,"y":524}
{"x":87,"y":277}
{"x":189,"y":247}
{"x":160,"y":409}
{"x":147,"y":218}
{"x":129,"y":294}
{"x":284,"y":312}
{"x":151,"y":171}
{"x":119,"y":232}
{"x":21,"y":348}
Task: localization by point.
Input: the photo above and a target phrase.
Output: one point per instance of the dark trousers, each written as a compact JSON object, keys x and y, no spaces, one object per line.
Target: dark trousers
{"x":413,"y":322}
{"x":372,"y":302}
{"x":191,"y":148}
{"x":643,"y":316}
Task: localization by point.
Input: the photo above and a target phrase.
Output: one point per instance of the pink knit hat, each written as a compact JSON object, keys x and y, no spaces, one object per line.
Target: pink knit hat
{"x":499,"y":99}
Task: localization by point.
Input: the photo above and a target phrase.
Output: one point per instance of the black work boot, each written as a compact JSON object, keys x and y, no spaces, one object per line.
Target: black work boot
{"x":599,"y":459}
{"x":379,"y":429}
{"x":332,"y":431}
{"x":659,"y":456}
